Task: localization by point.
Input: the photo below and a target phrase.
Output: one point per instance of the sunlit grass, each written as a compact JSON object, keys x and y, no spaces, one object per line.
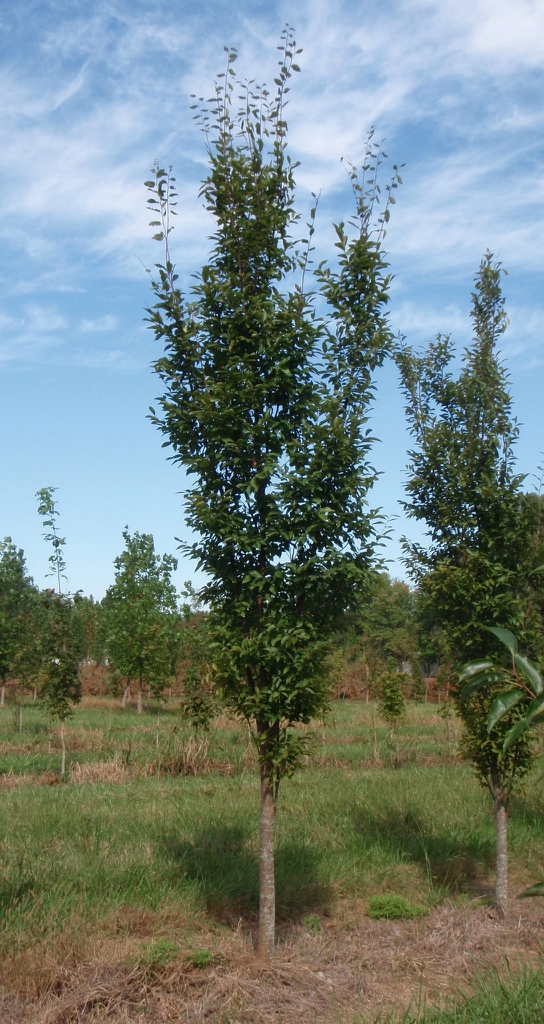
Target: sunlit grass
{"x":349,"y":825}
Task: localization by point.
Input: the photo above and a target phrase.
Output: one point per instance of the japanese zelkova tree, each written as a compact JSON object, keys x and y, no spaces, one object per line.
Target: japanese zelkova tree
{"x":141,"y":616}
{"x":265,"y":407}
{"x":479,"y":568}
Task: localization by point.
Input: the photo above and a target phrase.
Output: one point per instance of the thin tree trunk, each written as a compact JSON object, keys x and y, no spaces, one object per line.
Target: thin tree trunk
{"x":62,"y":747}
{"x":3,"y":695}
{"x":20,"y":718}
{"x":267,"y":884}
{"x":35,"y":696}
{"x":501,"y":834}
{"x":139,"y":706}
{"x":126,"y":695}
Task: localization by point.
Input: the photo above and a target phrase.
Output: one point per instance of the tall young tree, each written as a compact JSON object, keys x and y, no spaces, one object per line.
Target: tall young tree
{"x":477,"y":570}
{"x":61,"y":645}
{"x":265,"y":406}
{"x":141,"y":615}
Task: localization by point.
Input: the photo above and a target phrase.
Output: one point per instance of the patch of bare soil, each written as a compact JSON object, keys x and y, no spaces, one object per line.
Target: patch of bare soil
{"x":354,"y":964}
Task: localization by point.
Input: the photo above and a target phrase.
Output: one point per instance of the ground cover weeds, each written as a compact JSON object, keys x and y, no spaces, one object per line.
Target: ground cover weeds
{"x":120,"y":858}
{"x":393,"y":908}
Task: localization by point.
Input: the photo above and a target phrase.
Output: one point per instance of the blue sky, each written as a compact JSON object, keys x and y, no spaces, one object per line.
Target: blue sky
{"x":91,"y":93}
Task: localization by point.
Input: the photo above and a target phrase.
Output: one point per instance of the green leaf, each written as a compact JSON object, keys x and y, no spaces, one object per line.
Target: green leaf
{"x":514,"y":734}
{"x":533,"y":890}
{"x":502,"y":705}
{"x":534,"y":708}
{"x":487,"y":678}
{"x":474,"y":669}
{"x":530,"y":672}
{"x":506,"y":637}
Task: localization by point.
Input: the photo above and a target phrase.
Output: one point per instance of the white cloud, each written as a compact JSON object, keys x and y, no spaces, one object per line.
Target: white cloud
{"x":103,"y":323}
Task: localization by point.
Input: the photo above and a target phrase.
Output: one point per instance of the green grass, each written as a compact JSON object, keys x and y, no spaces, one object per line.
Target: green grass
{"x":350,"y":827}
{"x":353,"y":737}
{"x":513,"y":1001}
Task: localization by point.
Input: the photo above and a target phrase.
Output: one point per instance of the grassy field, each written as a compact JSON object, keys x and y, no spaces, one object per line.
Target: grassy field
{"x":143,"y":864}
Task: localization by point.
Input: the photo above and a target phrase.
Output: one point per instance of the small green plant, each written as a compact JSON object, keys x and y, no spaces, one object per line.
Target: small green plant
{"x":391,"y":706}
{"x":200,"y":958}
{"x":157,"y":955}
{"x":393,"y":907}
{"x":312,"y":924}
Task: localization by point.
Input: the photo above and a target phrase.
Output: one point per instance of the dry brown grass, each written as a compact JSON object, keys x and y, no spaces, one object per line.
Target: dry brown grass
{"x":115,"y":771}
{"x":353,"y":964}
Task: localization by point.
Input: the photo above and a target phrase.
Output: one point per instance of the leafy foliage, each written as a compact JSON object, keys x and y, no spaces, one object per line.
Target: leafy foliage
{"x":391,"y":704}
{"x":16,"y":592}
{"x":141,"y":614}
{"x":265,"y":404}
{"x":48,"y":509}
{"x":61,"y":652}
{"x":462,"y":484}
{"x":199,"y":701}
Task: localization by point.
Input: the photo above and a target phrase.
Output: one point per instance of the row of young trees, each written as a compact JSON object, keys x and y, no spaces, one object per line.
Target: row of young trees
{"x":267,"y":388}
{"x":136,"y":632}
{"x":266,"y":392}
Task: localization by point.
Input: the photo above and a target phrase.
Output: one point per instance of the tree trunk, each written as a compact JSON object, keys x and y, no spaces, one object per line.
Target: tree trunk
{"x":62,"y":747}
{"x":501,"y":833}
{"x":267,"y":884}
{"x":139,"y":706}
{"x":35,"y":695}
{"x":20,"y":718}
{"x":126,"y":695}
{"x":3,"y":695}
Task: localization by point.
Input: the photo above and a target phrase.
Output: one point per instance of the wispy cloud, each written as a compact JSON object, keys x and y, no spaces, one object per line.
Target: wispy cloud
{"x":103,"y":323}
{"x":105,"y":89}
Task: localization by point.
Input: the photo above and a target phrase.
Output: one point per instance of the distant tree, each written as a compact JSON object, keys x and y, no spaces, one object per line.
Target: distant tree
{"x":391,"y":706}
{"x":199,"y":698}
{"x":14,"y":587}
{"x":388,"y":623}
{"x":478,"y":568}
{"x":142,"y":615}
{"x":27,"y":665}
{"x":382,"y":636}
{"x":265,"y":406}
{"x":61,"y":646}
{"x":87,"y":623}
{"x":61,"y":654}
